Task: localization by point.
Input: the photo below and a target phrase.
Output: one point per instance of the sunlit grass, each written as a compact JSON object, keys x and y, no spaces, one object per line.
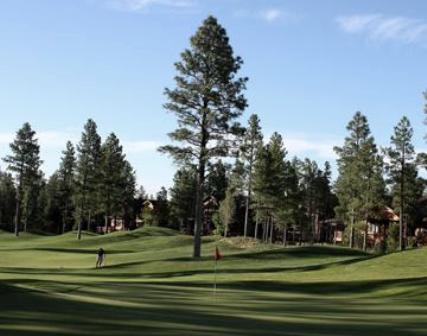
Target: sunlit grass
{"x":150,"y":285}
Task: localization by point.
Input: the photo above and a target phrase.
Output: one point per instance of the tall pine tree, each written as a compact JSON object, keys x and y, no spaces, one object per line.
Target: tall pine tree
{"x":24,"y":162}
{"x":66,"y":181}
{"x":111,"y":176}
{"x":400,"y":168}
{"x":87,"y":174}
{"x":182,"y":198}
{"x":207,"y":101}
{"x":360,"y":184}
{"x":252,"y":141}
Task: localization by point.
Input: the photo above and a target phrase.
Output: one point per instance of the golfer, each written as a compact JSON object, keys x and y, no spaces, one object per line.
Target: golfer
{"x":100,"y":258}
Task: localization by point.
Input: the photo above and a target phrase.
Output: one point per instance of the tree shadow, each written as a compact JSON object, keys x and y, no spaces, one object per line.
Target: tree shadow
{"x":160,"y":310}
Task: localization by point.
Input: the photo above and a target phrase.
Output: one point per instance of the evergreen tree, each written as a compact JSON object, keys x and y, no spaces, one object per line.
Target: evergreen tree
{"x":182,"y":198}
{"x":290,"y":208}
{"x":372,"y":185}
{"x":54,"y":204}
{"x":261,"y":185}
{"x":7,"y":200}
{"x":347,"y":185}
{"x":402,"y":171}
{"x":227,"y":210}
{"x":269,"y":182}
{"x":360,"y":184}
{"x":425,"y":110}
{"x":24,"y":162}
{"x":207,"y":101}
{"x":111,"y":178}
{"x":87,"y":174}
{"x":236,"y":179}
{"x":128,"y":193}
{"x":229,"y":206}
{"x":252,"y":141}
{"x":66,"y":185}
{"x":216,"y":180}
{"x":34,"y":201}
{"x":162,"y":210}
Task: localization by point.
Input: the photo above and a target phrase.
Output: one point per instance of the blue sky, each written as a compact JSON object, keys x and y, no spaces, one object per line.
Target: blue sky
{"x":311,"y":65}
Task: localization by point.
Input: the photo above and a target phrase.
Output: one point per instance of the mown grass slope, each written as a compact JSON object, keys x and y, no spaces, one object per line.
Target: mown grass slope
{"x":150,"y":285}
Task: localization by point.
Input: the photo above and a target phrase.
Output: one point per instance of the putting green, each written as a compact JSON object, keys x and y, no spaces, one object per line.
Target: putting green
{"x":150,"y":286}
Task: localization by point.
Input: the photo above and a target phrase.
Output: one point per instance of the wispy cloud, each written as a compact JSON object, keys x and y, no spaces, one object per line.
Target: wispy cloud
{"x":318,"y":146}
{"x":301,"y":145}
{"x":380,"y":27}
{"x":271,"y":15}
{"x":141,"y":146}
{"x":56,"y":140}
{"x":50,"y":139}
{"x":142,"y":5}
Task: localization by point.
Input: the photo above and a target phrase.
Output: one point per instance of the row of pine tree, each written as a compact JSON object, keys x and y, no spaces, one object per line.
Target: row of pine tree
{"x":261,"y":192}
{"x":93,"y":184}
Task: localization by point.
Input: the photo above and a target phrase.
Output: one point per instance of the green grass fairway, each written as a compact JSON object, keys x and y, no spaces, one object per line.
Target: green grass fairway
{"x":48,"y":286}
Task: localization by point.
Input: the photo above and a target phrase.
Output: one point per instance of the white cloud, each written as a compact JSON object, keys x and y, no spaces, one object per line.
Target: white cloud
{"x":271,"y":15}
{"x":318,"y":147}
{"x":141,"y":5}
{"x":51,"y":139}
{"x":301,"y":145}
{"x":380,"y":27}
{"x":140,"y":146}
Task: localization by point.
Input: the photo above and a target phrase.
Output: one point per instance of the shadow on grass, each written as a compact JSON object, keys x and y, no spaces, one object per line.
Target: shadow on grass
{"x":161,"y":310}
{"x":170,"y":274}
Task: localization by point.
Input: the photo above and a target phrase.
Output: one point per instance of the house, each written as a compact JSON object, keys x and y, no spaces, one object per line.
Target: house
{"x":115,"y":224}
{"x":379,"y":226}
{"x":330,"y":231}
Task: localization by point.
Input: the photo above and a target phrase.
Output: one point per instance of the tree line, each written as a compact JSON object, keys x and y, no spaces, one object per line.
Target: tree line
{"x":93,"y":185}
{"x":257,"y":189}
{"x":208,"y":101}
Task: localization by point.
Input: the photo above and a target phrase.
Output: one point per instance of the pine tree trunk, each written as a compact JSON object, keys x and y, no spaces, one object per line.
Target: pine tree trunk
{"x":285,"y":234}
{"x":365,"y":236}
{"x":89,"y":220}
{"x":401,"y":242}
{"x":245,"y":228}
{"x":79,"y":227}
{"x":271,"y":231}
{"x":64,"y":217}
{"x":25,"y":222}
{"x":352,"y":231}
{"x":256,"y":228}
{"x":267,"y":229}
{"x":248,"y":201}
{"x":264,"y":228}
{"x":199,"y":210}
{"x":106,"y":223}
{"x":18,"y":209}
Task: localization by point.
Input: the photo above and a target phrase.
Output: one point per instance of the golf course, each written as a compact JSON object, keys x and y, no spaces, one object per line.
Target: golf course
{"x":150,"y":286}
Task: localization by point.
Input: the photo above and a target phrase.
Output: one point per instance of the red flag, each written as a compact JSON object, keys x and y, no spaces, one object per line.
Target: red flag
{"x":218,"y":255}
